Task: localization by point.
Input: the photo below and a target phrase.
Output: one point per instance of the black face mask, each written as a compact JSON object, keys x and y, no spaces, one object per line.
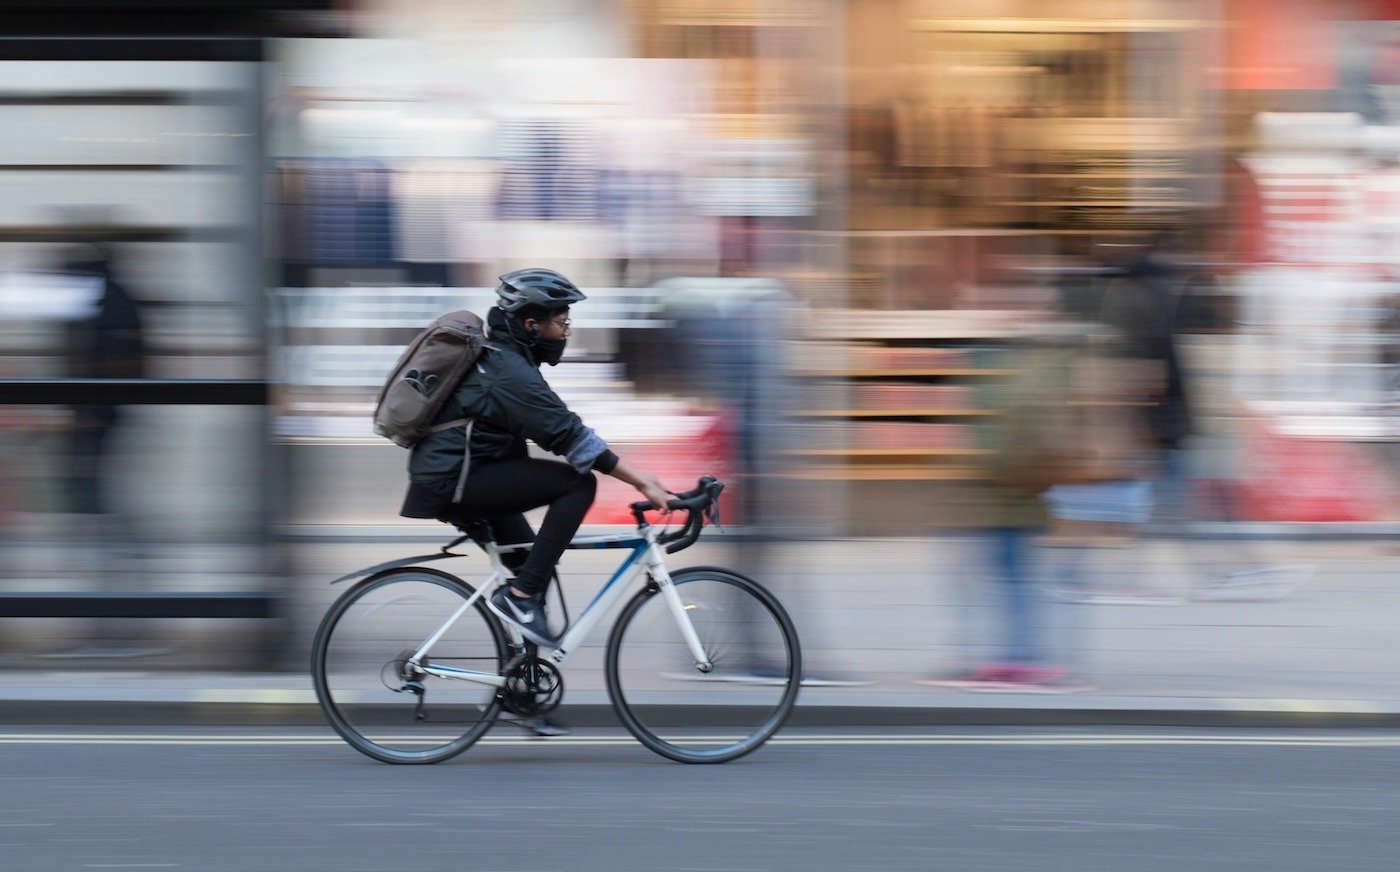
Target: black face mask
{"x":549,"y":351}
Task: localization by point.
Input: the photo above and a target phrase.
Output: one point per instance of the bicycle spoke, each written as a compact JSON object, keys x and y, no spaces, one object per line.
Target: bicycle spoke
{"x":376,"y":697}
{"x":662,"y":696}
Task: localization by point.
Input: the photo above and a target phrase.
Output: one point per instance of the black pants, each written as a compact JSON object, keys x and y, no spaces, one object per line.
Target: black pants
{"x":89,"y":447}
{"x":499,"y":494}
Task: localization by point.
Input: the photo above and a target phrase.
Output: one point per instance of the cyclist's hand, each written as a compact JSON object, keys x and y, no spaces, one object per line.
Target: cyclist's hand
{"x":649,"y":485}
{"x":652,"y":489}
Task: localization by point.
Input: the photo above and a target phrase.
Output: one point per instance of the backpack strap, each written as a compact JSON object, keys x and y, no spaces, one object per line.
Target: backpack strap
{"x":466,"y":451}
{"x":466,"y":460}
{"x":438,"y":428}
{"x":467,"y":443}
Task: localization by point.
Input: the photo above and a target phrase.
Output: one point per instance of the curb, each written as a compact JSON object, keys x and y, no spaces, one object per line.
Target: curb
{"x":261,"y":709}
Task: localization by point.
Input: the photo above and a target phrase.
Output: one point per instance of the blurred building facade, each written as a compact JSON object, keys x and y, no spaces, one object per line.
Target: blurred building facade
{"x":928,"y":177}
{"x":132,"y":324}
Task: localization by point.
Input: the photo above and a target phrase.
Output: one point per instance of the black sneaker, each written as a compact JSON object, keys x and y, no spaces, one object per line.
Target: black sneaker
{"x":526,"y":615}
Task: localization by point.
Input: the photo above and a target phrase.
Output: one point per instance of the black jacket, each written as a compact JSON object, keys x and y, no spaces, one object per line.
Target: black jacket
{"x":1143,"y":307}
{"x":510,"y":401}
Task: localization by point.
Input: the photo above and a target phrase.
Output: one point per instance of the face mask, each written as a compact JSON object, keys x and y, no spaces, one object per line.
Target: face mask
{"x":549,"y":351}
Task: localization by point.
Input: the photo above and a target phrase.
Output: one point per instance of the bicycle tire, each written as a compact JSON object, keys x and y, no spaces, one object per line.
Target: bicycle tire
{"x":342,"y":664}
{"x":700,"y":588}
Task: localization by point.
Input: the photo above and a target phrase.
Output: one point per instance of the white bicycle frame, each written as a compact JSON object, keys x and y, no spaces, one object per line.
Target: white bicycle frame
{"x":646,"y":557}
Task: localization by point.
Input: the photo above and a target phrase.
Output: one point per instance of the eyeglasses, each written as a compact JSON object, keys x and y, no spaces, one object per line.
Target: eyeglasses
{"x":566,"y":323}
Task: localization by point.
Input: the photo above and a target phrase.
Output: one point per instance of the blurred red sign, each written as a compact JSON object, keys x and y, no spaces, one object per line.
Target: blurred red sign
{"x":677,"y":462}
{"x":1293,"y":478}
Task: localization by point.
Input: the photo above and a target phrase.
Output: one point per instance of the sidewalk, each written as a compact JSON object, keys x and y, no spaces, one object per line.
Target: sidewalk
{"x":285,"y":699}
{"x":893,"y":611}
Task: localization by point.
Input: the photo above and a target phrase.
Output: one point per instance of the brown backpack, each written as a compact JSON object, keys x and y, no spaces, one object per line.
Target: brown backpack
{"x":426,"y":375}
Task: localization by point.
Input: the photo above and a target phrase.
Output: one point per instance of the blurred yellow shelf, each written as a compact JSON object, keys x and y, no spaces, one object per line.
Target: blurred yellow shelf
{"x":1024,"y":25}
{"x":1104,"y":204}
{"x":925,"y":325}
{"x":1110,"y":174}
{"x":890,"y":452}
{"x":891,"y":473}
{"x":910,"y":373}
{"x":897,"y":413}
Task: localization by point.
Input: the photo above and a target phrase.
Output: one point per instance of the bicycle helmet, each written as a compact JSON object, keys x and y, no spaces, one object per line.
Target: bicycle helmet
{"x":535,"y":287}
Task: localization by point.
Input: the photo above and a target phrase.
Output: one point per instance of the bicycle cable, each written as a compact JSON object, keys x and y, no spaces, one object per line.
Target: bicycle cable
{"x":563,"y":603}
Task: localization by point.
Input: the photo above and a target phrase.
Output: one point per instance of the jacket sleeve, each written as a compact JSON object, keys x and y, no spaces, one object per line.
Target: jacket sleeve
{"x":542,"y":417}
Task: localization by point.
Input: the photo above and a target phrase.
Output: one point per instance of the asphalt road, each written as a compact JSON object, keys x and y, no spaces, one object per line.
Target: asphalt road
{"x":228,"y":799}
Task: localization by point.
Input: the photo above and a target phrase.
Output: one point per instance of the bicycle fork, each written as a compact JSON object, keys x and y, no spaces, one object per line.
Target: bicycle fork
{"x":656,"y":567}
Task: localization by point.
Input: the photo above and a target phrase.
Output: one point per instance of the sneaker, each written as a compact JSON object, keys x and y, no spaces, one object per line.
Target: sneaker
{"x":1068,"y":684}
{"x":1012,"y":678}
{"x":980,"y":677}
{"x":540,"y":726}
{"x":526,"y":615}
{"x":1257,"y":585}
{"x":1075,"y":596}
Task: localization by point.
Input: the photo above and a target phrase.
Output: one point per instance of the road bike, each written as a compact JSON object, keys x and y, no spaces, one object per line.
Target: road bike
{"x":411,"y":667}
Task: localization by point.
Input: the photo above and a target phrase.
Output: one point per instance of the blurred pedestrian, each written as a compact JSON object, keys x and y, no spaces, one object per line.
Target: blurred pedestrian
{"x":1037,"y":440}
{"x":1144,"y":306}
{"x":107,"y":342}
{"x":736,"y":341}
{"x":1128,"y":387}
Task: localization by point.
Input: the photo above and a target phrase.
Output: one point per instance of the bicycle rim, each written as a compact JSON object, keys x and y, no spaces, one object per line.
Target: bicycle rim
{"x":674,"y":708}
{"x":366,"y":688}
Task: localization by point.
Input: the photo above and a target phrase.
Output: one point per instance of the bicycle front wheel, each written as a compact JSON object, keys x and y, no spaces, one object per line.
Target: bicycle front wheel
{"x":679,"y":711}
{"x":375,"y":698}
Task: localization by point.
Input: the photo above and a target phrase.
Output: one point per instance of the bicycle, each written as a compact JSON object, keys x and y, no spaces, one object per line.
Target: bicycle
{"x":411,"y":667}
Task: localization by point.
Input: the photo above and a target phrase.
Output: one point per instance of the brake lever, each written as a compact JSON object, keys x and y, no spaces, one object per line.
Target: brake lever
{"x":712,"y":515}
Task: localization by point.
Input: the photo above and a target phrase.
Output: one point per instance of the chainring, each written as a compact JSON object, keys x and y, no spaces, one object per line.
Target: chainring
{"x":533,"y":686}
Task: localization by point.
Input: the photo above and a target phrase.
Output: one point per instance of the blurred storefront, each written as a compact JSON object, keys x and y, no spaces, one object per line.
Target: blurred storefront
{"x":921,"y":173}
{"x":627,"y":144}
{"x":291,"y":193}
{"x":1313,"y":147}
{"x":136,"y":479}
{"x":987,"y":146}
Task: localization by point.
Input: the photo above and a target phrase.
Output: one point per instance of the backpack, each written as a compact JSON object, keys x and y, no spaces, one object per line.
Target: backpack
{"x":1064,"y":418}
{"x":425,"y":376}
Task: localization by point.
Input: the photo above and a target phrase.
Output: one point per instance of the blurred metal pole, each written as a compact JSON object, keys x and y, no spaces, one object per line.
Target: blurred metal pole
{"x":832,"y":222}
{"x":260,"y":246}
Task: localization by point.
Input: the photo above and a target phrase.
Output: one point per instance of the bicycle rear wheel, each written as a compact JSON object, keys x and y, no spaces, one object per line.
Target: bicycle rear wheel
{"x":375,"y":699}
{"x":676,"y":710}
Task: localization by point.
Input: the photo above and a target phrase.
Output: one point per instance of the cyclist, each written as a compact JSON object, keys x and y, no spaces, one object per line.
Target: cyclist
{"x":509,"y":400}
